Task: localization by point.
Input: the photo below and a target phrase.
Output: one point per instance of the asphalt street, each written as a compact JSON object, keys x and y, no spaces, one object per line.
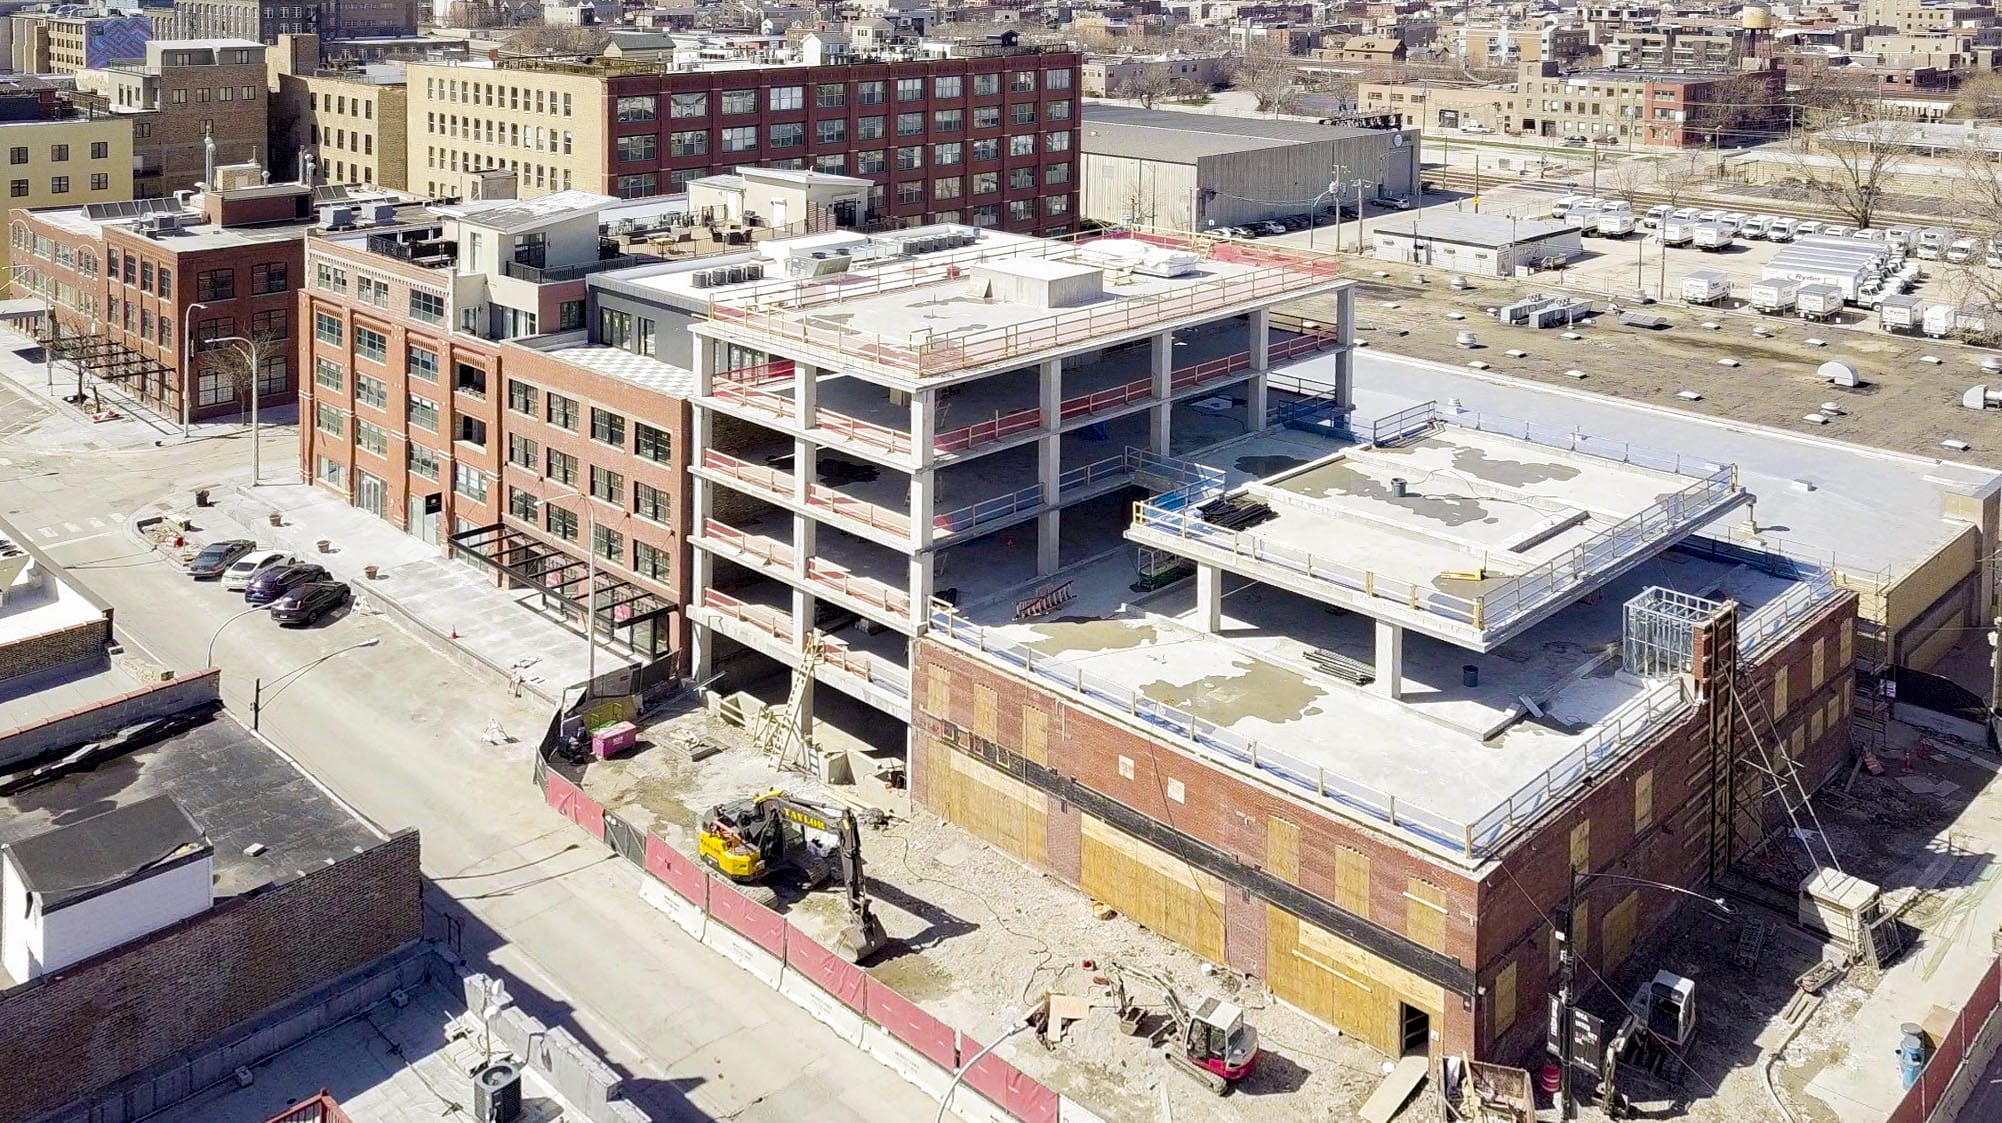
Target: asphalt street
{"x":394,"y":730}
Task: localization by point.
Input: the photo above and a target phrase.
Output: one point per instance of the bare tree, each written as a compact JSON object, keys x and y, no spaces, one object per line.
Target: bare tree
{"x":542,"y":39}
{"x":238,"y":362}
{"x":1270,"y":81}
{"x":1151,"y":86}
{"x":1846,"y":155}
{"x":1977,"y":198}
{"x":1748,"y":106}
{"x":1629,"y":180}
{"x":1980,"y":96}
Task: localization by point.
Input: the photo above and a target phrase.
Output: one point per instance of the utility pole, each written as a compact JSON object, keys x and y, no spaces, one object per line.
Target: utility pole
{"x":1595,"y":169}
{"x":1567,"y":973}
{"x":1477,"y":182}
{"x":1995,"y":662}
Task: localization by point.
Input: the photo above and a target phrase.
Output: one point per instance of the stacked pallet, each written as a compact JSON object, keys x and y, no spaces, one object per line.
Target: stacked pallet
{"x":1235,"y":512}
{"x":1340,"y":666}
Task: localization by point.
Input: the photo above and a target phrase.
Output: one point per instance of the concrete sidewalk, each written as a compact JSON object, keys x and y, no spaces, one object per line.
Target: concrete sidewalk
{"x":452,"y":604}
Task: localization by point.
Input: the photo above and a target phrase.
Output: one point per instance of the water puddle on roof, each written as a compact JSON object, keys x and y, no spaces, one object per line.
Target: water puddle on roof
{"x":1262,"y":466}
{"x":1335,"y":479}
{"x":1089,"y":635}
{"x":1510,"y":473}
{"x":1260,"y":690}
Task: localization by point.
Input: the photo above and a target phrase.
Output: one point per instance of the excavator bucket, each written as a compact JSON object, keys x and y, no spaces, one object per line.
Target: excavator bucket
{"x":862,"y":937}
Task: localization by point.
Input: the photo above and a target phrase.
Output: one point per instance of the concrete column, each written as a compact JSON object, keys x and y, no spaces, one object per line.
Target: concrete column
{"x":1049,"y":465}
{"x":1345,"y":337}
{"x":1261,"y":359}
{"x":805,"y":533}
{"x":1389,"y":659}
{"x":803,"y":467}
{"x":1050,"y":388}
{"x":924,"y":425}
{"x":701,"y":645}
{"x":701,"y":653}
{"x":1049,"y":535}
{"x":705,"y":365}
{"x":924,"y":503}
{"x":1163,"y":354}
{"x":806,"y":395}
{"x":1209,"y":598}
{"x":923,"y":586}
{"x":803,"y":604}
{"x":1261,"y":339}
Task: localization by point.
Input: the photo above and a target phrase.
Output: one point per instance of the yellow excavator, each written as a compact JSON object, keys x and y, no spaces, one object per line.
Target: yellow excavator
{"x":752,"y":840}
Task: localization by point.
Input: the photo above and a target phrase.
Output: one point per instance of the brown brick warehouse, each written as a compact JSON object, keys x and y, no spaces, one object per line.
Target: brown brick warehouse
{"x":1340,"y":921}
{"x":990,"y":140}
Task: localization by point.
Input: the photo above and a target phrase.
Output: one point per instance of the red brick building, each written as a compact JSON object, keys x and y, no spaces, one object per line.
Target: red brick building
{"x":137,"y":287}
{"x":519,"y":455}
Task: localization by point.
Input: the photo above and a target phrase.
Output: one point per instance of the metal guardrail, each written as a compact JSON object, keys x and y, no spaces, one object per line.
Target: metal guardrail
{"x":551,"y":274}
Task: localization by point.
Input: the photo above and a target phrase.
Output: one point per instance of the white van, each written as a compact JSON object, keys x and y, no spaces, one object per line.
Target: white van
{"x":1780,"y":230}
{"x":1754,"y":227}
{"x":1655,"y":215}
{"x":1563,"y":205}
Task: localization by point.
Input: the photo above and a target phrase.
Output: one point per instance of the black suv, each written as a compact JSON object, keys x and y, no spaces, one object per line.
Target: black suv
{"x":271,"y":584}
{"x":218,"y":556}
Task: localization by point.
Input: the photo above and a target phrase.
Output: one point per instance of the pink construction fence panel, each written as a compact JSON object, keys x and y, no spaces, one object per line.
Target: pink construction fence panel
{"x":677,"y":871}
{"x":1009,"y":1087}
{"x":747,"y":918}
{"x":902,"y":1018}
{"x":575,"y":805}
{"x":848,"y":983}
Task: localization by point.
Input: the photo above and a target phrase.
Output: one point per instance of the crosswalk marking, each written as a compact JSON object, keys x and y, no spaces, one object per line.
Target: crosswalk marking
{"x":89,"y":526}
{"x":46,"y":532}
{"x":73,"y":528}
{"x":95,"y":524}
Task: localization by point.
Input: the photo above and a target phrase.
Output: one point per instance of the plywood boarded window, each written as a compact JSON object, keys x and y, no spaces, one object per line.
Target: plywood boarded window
{"x":1780,"y":693}
{"x":1846,"y":648}
{"x":985,"y":724}
{"x":1619,"y":931}
{"x":1799,"y":741}
{"x":938,"y":691}
{"x":1425,"y":914}
{"x":1644,"y":801}
{"x":1504,"y":1001}
{"x":1814,"y":727}
{"x":1581,"y":845}
{"x":1153,"y":888}
{"x":1035,"y":735}
{"x":1831,"y":714}
{"x":1352,"y":881}
{"x":1282,"y":849}
{"x":999,"y":808}
{"x":1817,"y":664}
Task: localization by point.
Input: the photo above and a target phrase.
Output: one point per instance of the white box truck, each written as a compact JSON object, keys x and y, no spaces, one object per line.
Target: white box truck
{"x":1773,"y":296}
{"x":1901,"y":313}
{"x":1711,"y":236}
{"x":1817,"y":301}
{"x":1705,"y":286}
{"x":1677,"y":232}
{"x":1613,"y":224}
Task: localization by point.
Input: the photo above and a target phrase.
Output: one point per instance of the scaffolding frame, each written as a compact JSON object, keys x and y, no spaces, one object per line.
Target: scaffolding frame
{"x":1659,"y":629}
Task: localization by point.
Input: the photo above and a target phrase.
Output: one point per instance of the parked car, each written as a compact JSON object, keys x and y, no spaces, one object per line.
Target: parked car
{"x":1245,"y":231}
{"x":1397,"y":203}
{"x":1475,"y":127}
{"x":274,"y":582}
{"x":1575,"y":142}
{"x":217,"y":557}
{"x":1274,"y":226}
{"x":306,"y":602}
{"x":238,"y":575}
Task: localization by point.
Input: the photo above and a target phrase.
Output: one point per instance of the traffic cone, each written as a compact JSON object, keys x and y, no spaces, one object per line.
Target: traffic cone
{"x":455,"y":632}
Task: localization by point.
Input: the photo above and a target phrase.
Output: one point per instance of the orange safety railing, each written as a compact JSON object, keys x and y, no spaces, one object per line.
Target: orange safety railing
{"x":889,"y":598}
{"x":762,"y":617}
{"x":759,"y":374}
{"x":750,"y":397}
{"x":869,"y":668}
{"x":751,"y":545}
{"x":864,"y":432}
{"x":1087,"y":404}
{"x":868,"y":514}
{"x":1208,"y":371}
{"x":1006,"y":425}
{"x":767,"y":479}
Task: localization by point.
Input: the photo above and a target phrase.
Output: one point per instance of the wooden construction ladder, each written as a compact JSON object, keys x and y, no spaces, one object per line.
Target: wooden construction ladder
{"x":777,"y":730}
{"x":1782,"y":777}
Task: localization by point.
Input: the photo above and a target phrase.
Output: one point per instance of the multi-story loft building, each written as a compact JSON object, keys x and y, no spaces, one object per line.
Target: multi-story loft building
{"x":349,"y":120}
{"x":58,"y":153}
{"x":1009,"y":399}
{"x":265,"y":20}
{"x":185,"y":95}
{"x":66,"y":41}
{"x":143,"y":290}
{"x":525,"y":454}
{"x":989,"y":141}
{"x":1673,"y":48}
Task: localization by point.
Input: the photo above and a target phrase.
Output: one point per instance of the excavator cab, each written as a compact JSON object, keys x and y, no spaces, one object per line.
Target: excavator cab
{"x":742,"y":840}
{"x":1219,"y":1041}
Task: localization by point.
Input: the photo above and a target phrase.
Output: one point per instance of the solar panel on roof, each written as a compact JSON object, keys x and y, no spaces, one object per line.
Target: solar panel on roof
{"x":129,"y":208}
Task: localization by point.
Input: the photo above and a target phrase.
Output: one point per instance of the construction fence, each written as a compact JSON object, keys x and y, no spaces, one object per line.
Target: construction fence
{"x":859,"y":1009}
{"x":1949,"y":1073}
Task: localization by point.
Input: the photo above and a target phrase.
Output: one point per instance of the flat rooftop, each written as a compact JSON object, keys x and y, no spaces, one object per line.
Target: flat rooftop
{"x":38,"y":600}
{"x":241,"y":793}
{"x":922,"y":314}
{"x":643,"y":371}
{"x":1464,"y":534}
{"x":1463,"y":765}
{"x":1812,"y":493}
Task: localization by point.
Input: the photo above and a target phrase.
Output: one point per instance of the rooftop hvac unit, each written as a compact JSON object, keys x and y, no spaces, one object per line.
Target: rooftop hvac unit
{"x":336,"y":217}
{"x":700,"y":279}
{"x":754,"y":272}
{"x":497,"y":1093}
{"x":385,"y":213}
{"x":736,"y":274}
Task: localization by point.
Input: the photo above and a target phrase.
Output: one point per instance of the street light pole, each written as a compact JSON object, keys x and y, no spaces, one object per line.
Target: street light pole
{"x":190,"y":376}
{"x":209,"y":659}
{"x":254,"y":355}
{"x":257,"y":695}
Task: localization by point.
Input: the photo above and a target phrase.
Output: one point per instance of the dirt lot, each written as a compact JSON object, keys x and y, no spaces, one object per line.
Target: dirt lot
{"x":1907,"y":404}
{"x":977,"y":936}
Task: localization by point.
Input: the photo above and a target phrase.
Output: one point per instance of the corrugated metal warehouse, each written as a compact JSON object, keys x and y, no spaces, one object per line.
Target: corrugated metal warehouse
{"x":1190,"y":171}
